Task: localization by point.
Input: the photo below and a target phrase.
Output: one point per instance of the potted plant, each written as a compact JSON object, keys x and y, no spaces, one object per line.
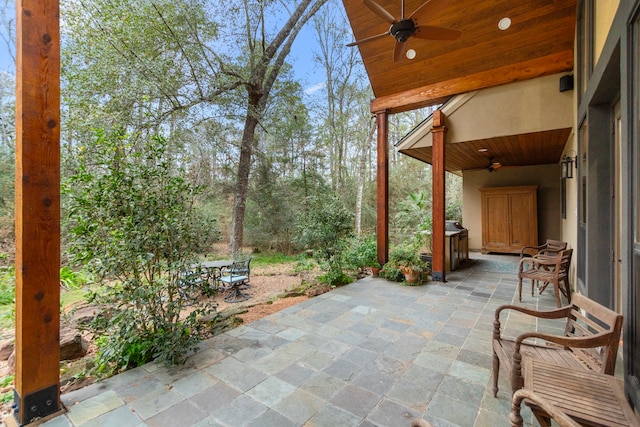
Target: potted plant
{"x":409,"y":263}
{"x":362,"y":255}
{"x":424,"y":237}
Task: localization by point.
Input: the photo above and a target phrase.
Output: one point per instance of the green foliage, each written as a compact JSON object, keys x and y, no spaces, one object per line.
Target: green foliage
{"x":325,"y":227}
{"x":335,"y":277}
{"x":391,"y":272}
{"x":7,"y":191}
{"x":7,"y":285}
{"x":74,"y":279}
{"x":270,"y":258}
{"x":402,"y":258}
{"x":7,"y":397}
{"x":304,"y":264}
{"x":406,"y":255}
{"x":134,"y":223}
{"x":5,"y":381}
{"x":361,"y":253}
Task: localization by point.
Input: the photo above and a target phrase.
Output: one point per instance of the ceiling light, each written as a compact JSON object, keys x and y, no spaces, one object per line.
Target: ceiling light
{"x":483,"y":150}
{"x":504,"y":23}
{"x":411,"y":54}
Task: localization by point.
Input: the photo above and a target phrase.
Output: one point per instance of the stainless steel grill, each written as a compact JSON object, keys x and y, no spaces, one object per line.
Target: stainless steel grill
{"x":458,"y":243}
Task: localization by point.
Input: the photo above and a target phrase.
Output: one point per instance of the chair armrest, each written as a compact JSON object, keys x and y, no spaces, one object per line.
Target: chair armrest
{"x":528,"y":251}
{"x":558,"y":313}
{"x":595,"y":340}
{"x":516,"y":420}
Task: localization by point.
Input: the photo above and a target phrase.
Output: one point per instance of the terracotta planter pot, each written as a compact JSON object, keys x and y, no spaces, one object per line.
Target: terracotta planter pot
{"x":413,"y":276}
{"x":375,"y":271}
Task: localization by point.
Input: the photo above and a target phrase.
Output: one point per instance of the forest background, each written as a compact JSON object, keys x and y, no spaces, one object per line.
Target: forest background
{"x":184,"y":122}
{"x":229,"y":86}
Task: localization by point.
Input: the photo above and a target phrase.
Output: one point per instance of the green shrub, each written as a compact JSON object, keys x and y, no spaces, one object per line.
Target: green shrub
{"x":74,"y":279}
{"x":335,"y":277}
{"x":391,"y":272}
{"x":325,"y":227}
{"x":361,"y":253}
{"x":134,"y":223}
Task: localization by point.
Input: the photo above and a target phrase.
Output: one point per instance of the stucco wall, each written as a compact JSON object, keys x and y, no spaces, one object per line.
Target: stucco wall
{"x":604,"y":11}
{"x":546,"y":177}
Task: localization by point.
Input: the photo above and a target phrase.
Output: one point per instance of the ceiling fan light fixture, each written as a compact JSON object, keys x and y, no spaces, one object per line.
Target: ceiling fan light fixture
{"x":411,"y":54}
{"x":504,"y":23}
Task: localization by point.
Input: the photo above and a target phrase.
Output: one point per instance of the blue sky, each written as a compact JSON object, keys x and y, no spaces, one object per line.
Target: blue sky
{"x":301,"y":55}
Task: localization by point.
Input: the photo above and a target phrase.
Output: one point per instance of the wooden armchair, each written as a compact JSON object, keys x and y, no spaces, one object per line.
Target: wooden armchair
{"x":547,"y":269}
{"x":590,"y":340}
{"x":559,"y":416}
{"x":551,"y":247}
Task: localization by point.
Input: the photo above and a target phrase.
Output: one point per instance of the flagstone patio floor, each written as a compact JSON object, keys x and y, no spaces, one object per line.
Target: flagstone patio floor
{"x":372,"y":353}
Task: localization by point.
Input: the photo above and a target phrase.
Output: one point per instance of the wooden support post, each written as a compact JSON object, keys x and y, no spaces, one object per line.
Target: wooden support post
{"x":438,"y":205}
{"x":382,"y":195}
{"x":37,"y":369}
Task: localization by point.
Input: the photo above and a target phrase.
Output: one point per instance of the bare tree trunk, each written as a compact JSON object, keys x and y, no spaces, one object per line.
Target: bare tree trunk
{"x":242,"y":182}
{"x":263,"y":76}
{"x":362,"y":173}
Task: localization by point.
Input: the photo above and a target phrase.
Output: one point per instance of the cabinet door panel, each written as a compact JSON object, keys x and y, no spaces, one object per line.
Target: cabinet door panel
{"x":496,"y":217}
{"x":523,"y":227}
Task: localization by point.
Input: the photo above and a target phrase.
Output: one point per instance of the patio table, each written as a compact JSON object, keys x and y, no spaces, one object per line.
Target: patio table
{"x":212,"y":271}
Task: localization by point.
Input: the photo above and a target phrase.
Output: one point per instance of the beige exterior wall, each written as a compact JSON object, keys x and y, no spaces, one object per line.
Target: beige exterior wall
{"x":546,"y":177}
{"x":605,"y":11}
{"x":529,"y":106}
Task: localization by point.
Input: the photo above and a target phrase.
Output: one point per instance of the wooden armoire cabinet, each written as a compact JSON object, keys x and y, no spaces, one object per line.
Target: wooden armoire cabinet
{"x":509,"y":218}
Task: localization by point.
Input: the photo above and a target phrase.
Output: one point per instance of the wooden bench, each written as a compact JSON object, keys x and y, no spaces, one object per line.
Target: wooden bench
{"x":590,"y":341}
{"x":588,"y":398}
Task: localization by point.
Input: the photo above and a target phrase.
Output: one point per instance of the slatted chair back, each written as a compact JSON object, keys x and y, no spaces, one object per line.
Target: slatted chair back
{"x":550,"y":247}
{"x":241,"y":267}
{"x":589,"y":319}
{"x":553,"y":247}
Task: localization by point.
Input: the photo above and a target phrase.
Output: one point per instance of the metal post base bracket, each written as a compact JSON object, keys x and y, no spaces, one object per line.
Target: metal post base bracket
{"x":437,"y":276}
{"x":36,"y":405}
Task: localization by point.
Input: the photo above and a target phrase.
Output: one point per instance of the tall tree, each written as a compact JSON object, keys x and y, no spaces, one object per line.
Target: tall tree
{"x":166,"y":66}
{"x":266,"y":59}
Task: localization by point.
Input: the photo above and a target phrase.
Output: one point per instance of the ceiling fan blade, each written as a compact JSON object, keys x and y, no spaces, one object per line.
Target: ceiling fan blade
{"x":399,"y":49}
{"x":429,"y":7}
{"x":368,"y":39}
{"x":428,"y":32}
{"x":380,"y":11}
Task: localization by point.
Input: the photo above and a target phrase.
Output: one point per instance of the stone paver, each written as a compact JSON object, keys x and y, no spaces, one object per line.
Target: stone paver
{"x":372,"y":353}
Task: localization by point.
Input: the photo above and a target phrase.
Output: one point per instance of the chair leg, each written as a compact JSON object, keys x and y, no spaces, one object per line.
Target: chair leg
{"x":234,"y":293}
{"x":520,"y":289}
{"x":556,"y":291}
{"x":496,"y":372}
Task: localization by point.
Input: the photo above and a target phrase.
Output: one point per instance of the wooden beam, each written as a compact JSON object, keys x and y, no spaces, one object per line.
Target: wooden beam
{"x":438,"y":93}
{"x":438,"y":194}
{"x":37,"y":384}
{"x":382,"y":194}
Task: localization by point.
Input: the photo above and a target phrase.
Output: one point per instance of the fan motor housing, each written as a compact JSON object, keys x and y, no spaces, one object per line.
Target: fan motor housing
{"x":402,"y":30}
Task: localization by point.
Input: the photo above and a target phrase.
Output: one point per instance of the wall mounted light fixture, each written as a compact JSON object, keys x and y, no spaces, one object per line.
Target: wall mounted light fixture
{"x":566,"y":164}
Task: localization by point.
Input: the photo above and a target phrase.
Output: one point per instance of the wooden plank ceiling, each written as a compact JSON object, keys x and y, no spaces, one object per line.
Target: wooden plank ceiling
{"x":536,"y":148}
{"x":539,"y":42}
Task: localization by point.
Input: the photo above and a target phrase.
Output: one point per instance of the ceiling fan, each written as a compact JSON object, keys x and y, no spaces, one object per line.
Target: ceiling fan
{"x":404,"y":28}
{"x":493,"y":165}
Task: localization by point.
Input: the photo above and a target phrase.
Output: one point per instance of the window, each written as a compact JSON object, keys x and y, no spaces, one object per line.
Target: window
{"x":585,"y":43}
